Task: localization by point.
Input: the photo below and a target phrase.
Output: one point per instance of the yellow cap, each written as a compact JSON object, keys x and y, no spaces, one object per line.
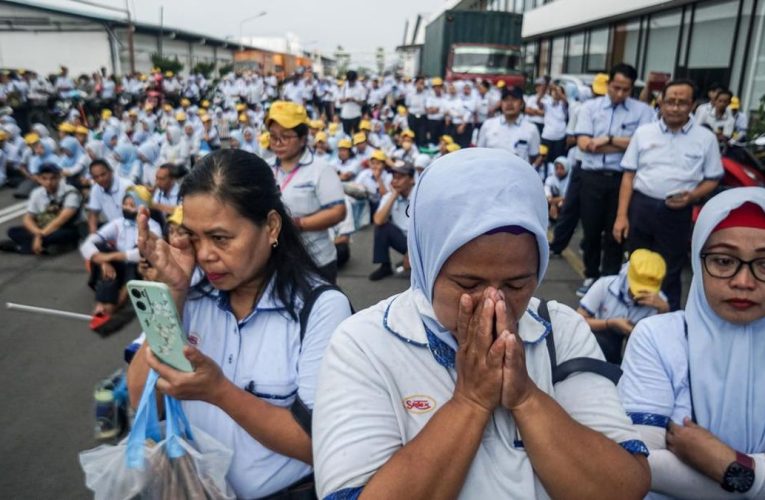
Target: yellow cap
{"x":148,"y":106}
{"x":264,"y":140}
{"x":646,"y":271}
{"x":31,"y":138}
{"x":79,"y":129}
{"x":365,"y":125}
{"x":401,"y":110}
{"x":287,"y":114}
{"x":320,"y":137}
{"x":344,"y":144}
{"x":143,"y":77}
{"x":407,"y":133}
{"x":185,"y":102}
{"x":379,"y":155}
{"x":436,"y":82}
{"x":243,"y":118}
{"x":333,"y":128}
{"x":600,"y":84}
{"x":543,"y":150}
{"x":3,"y":135}
{"x":177,"y":216}
{"x":735,"y":103}
{"x":66,"y":127}
{"x":205,"y":103}
{"x":316,"y":124}
{"x":169,"y":74}
{"x":167,"y":107}
{"x":501,"y":84}
{"x":133,"y":112}
{"x":447,"y":139}
{"x":451,"y":148}
{"x":206,"y":118}
{"x":180,"y":116}
{"x":359,"y":137}
{"x":140,"y":194}
{"x":241,"y":107}
{"x":106,"y":114}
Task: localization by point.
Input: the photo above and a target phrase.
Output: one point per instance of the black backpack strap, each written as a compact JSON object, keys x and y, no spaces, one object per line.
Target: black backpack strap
{"x":564,"y":370}
{"x":302,"y":414}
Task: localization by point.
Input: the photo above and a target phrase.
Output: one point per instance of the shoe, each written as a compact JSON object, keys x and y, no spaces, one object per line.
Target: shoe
{"x":9,"y":246}
{"x":582,"y":290}
{"x":381,"y":272}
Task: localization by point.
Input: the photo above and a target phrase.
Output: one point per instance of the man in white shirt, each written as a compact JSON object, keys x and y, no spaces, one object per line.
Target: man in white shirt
{"x":457,"y":117}
{"x":353,"y":96}
{"x":435,"y":105}
{"x":510,"y":130}
{"x":415,"y":104}
{"x":668,"y":166}
{"x":106,"y":194}
{"x":718,"y":117}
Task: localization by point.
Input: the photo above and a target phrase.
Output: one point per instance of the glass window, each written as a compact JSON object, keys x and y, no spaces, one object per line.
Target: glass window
{"x":625,"y":46}
{"x":663,"y":32}
{"x":544,"y":56}
{"x":556,"y":59}
{"x":598,"y":51}
{"x":712,"y":35}
{"x":530,"y":59}
{"x":575,"y":57}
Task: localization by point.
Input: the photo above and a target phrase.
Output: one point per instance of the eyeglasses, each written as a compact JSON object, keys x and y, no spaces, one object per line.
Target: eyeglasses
{"x":674,"y":103}
{"x":720,"y":265}
{"x":279,"y":139}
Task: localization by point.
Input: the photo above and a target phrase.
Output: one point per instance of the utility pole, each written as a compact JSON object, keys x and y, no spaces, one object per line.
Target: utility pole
{"x":161,"y":28}
{"x":130,"y":37}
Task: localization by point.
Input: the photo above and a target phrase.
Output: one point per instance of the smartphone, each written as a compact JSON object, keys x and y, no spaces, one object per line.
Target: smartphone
{"x":156,"y":311}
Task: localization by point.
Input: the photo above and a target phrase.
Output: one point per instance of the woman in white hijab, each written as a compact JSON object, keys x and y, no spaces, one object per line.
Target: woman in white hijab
{"x":446,"y":390}
{"x":173,"y":149}
{"x":693,"y":381}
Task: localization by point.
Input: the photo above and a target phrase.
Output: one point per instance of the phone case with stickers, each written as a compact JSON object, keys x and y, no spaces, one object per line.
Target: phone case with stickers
{"x":156,"y":312}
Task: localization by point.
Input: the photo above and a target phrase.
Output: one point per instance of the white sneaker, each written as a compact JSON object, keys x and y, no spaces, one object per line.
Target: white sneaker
{"x":582,"y":290}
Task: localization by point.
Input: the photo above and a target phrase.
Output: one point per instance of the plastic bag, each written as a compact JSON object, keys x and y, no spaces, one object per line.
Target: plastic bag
{"x":159,"y":462}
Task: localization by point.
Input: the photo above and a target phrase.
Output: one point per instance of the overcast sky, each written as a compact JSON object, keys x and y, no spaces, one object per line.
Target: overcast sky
{"x":360,"y":26}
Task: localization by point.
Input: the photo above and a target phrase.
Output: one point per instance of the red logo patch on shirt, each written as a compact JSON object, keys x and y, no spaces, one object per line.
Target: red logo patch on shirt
{"x":419,"y":403}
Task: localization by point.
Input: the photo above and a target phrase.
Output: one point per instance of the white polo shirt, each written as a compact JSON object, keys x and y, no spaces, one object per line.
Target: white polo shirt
{"x":66,"y":196}
{"x":170,"y":198}
{"x":458,"y":110}
{"x":398,"y":212}
{"x":120,"y":233}
{"x":666,"y":161}
{"x":263,"y":355}
{"x":555,"y":121}
{"x":313,"y":187}
{"x":350,"y":110}
{"x":605,"y":300}
{"x":109,"y":202}
{"x":520,"y":137}
{"x":384,"y":377}
{"x":434,"y":101}
{"x":415,"y":102}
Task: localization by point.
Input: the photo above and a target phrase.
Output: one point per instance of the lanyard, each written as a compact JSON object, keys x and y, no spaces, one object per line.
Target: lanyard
{"x":286,"y":181}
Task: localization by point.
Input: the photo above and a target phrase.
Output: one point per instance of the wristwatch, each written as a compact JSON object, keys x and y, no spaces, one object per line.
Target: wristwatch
{"x":610,"y":139}
{"x":739,"y":476}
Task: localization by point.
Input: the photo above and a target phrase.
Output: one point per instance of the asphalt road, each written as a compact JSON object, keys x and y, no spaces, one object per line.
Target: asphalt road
{"x":49,"y":366}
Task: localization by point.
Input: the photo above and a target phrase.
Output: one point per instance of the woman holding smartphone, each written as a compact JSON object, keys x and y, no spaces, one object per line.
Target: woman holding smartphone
{"x":255,"y":372}
{"x":446,"y":390}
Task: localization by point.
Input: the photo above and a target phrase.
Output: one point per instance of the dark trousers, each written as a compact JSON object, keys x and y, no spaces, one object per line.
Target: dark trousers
{"x":555,"y":149}
{"x":343,"y":254}
{"x":388,"y":236}
{"x":611,"y":343}
{"x":351,"y":125}
{"x":65,"y":236}
{"x":568,"y":218}
{"x":435,"y":130}
{"x":599,"y":202}
{"x":420,"y":128}
{"x":108,"y":291}
{"x":661,"y":229}
{"x":462,"y":139}
{"x":329,"y":272}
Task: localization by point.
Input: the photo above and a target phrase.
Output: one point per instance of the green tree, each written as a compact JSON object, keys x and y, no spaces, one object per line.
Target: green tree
{"x":166,"y":64}
{"x":204,"y":68}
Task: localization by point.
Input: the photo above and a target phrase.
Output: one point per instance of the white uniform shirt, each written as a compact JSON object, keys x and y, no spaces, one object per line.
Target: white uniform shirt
{"x":314,"y":186}
{"x":398,"y":212}
{"x":604,"y":300}
{"x":532,"y":102}
{"x":263,"y":355}
{"x":520,"y":137}
{"x":350,"y":109}
{"x":169,"y":198}
{"x":384,"y":376}
{"x":66,"y":196}
{"x":555,"y":121}
{"x":415,"y":102}
{"x":109,"y":203}
{"x":706,"y":115}
{"x":666,"y":161}
{"x":120,"y":233}
{"x":457,"y":110}
{"x":439,"y":103}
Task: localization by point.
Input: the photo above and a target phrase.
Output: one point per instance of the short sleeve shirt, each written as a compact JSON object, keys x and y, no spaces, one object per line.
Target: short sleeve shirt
{"x":109,"y":202}
{"x":398,"y":212}
{"x":520,"y":137}
{"x":605,"y":300}
{"x":46,"y":207}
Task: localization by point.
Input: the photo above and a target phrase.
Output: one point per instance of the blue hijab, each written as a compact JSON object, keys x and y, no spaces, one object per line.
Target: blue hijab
{"x":464,"y":195}
{"x":127,"y":159}
{"x":73,"y":147}
{"x":725,"y":359}
{"x":48,"y":156}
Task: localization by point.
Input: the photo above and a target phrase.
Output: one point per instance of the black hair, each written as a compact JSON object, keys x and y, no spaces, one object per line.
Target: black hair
{"x":485,"y":84}
{"x":627,"y":71}
{"x":714,"y":86}
{"x":724,"y":91}
{"x":99,"y":161}
{"x":245,"y":182}
{"x":351,"y":76}
{"x":678,"y":82}
{"x":301,"y":130}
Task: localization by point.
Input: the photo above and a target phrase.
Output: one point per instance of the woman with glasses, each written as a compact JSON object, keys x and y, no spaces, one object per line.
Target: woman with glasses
{"x":310,"y":187}
{"x":693,"y":381}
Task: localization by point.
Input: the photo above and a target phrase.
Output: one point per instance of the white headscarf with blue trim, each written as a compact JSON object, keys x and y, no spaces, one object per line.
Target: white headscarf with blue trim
{"x":460,"y":197}
{"x":726,"y":360}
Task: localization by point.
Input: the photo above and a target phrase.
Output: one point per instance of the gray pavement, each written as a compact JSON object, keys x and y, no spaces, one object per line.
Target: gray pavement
{"x":49,"y":365}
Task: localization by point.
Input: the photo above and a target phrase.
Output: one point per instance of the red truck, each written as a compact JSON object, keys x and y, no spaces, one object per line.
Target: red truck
{"x":469,"y":61}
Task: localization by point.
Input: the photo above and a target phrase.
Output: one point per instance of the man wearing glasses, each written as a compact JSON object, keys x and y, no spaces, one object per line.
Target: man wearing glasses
{"x":669,"y":165}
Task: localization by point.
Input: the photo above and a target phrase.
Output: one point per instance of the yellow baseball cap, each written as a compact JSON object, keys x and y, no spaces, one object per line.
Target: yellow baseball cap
{"x":32,"y":138}
{"x":3,"y":135}
{"x":241,"y":107}
{"x":407,"y":133}
{"x":646,"y":271}
{"x":206,"y":118}
{"x":180,"y":116}
{"x":79,"y":129}
{"x":106,"y":114}
{"x":501,"y":84}
{"x":453,"y":147}
{"x":320,"y":137}
{"x":264,"y":140}
{"x":169,"y":74}
{"x":333,"y":128}
{"x":140,"y":194}
{"x":66,"y":127}
{"x":185,"y":102}
{"x":365,"y":125}
{"x":287,"y":114}
{"x":401,"y":110}
{"x":316,"y":124}
{"x":243,"y":118}
{"x":600,"y":84}
{"x":167,"y":107}
{"x":344,"y":144}
{"x":359,"y":137}
{"x":177,"y":216}
{"x":379,"y":154}
{"x":205,"y":103}
{"x":447,"y":139}
{"x":436,"y":82}
{"x":543,"y":150}
{"x":735,"y":103}
{"x":148,"y":106}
